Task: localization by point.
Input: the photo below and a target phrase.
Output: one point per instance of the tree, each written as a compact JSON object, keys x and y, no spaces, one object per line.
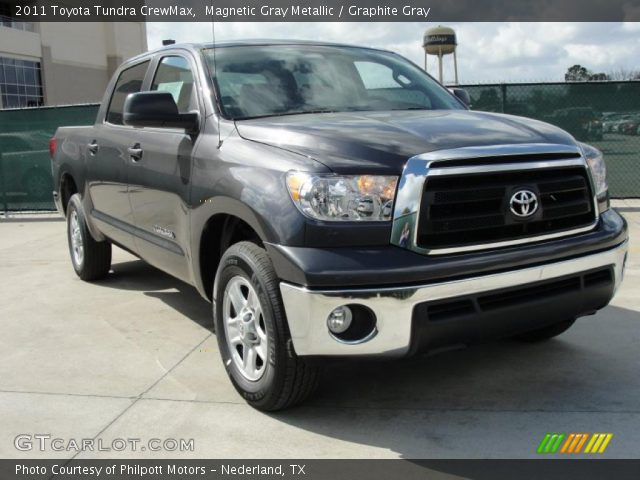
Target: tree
{"x":578,"y":73}
{"x":624,"y":74}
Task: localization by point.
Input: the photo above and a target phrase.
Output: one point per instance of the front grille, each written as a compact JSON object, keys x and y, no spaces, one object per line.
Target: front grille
{"x":460,"y":210}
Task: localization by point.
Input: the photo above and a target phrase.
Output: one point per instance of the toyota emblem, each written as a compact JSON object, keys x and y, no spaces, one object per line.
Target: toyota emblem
{"x":523,"y":203}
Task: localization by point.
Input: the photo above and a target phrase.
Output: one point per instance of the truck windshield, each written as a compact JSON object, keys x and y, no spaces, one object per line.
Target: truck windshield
{"x":261,"y":81}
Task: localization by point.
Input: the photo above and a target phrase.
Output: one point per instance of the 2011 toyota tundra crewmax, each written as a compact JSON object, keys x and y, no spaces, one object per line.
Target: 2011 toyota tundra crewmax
{"x":335,"y":201}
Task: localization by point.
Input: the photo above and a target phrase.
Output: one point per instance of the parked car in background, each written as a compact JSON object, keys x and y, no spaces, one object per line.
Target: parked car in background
{"x":584,"y":123}
{"x":617,"y":124}
{"x":630,"y":125}
{"x":26,"y":167}
{"x":611,"y":120}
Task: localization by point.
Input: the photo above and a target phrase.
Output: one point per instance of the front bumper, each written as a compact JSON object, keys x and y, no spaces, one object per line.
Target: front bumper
{"x":396,"y":308}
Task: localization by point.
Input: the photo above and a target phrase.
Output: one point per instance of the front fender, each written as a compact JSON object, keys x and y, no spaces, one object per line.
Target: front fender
{"x":271,"y":225}
{"x":246,"y":180}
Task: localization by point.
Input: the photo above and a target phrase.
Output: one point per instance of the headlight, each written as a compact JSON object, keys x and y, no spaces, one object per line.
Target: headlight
{"x":343,"y":198}
{"x":598,"y":168}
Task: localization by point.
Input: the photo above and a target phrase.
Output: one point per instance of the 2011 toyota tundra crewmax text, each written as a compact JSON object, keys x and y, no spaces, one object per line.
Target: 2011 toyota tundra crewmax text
{"x":336,"y":201}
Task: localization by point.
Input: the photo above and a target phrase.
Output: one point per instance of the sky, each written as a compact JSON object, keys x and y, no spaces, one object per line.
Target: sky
{"x":487,"y":52}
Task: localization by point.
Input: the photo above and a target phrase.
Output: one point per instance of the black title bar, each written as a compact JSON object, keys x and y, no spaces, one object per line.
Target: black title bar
{"x":176,"y":469}
{"x":326,"y":10}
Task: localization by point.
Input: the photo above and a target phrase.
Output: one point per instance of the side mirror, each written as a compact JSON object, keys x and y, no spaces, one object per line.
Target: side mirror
{"x":462,"y":95}
{"x":157,"y":109}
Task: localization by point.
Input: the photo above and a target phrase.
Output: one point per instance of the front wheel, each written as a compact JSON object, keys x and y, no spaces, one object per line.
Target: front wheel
{"x":253,"y":334}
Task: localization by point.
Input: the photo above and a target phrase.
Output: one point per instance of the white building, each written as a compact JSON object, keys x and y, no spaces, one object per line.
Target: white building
{"x":56,"y":63}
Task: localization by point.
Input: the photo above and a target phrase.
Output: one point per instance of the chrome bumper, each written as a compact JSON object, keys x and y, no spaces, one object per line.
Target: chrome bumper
{"x":307,"y":310}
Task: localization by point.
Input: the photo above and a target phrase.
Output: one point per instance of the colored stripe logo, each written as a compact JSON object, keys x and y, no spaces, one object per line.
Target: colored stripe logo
{"x":574,"y":443}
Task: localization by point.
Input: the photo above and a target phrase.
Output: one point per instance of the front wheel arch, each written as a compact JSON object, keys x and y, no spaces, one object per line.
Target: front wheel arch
{"x":219,"y":233}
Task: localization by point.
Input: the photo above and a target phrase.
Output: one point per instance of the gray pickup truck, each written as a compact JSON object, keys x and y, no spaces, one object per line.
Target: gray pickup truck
{"x":335,"y":201}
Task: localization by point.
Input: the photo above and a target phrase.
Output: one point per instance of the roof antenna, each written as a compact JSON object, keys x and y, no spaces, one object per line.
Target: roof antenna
{"x":214,"y":80}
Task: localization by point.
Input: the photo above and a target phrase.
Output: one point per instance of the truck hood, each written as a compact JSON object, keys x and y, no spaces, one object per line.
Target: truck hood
{"x":381,"y":142}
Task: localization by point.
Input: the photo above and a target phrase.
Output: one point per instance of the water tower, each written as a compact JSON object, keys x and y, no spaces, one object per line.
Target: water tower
{"x":440,"y":41}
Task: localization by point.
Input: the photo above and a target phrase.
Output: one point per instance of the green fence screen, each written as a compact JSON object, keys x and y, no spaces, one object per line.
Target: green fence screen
{"x":25,"y":165}
{"x":604,"y":114}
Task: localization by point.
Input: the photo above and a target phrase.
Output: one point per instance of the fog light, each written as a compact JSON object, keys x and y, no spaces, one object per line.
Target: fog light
{"x":339,"y":320}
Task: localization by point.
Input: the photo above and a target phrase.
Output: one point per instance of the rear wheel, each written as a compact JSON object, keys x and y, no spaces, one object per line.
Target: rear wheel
{"x":253,"y":334}
{"x":91,"y":260}
{"x":547,"y":332}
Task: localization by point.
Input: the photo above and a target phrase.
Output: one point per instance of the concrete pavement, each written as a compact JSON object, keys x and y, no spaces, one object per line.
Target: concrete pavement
{"x":134,"y":356}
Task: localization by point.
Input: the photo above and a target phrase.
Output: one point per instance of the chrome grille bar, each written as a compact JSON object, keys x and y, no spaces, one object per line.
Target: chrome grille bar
{"x":417,"y":170}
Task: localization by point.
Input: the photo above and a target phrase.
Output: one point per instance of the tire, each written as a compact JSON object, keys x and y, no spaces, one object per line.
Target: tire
{"x":546,"y":333}
{"x":246,"y":281}
{"x":91,"y":260}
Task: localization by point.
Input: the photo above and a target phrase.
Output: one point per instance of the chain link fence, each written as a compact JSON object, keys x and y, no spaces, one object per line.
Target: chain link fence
{"x":604,"y":114}
{"x":25,"y":164}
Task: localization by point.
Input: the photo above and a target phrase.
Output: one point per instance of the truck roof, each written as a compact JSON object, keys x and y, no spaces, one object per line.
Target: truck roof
{"x":248,"y":42}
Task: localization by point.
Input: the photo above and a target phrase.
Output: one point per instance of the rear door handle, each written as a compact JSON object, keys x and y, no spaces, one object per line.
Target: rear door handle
{"x":135,"y":152}
{"x":93,"y":147}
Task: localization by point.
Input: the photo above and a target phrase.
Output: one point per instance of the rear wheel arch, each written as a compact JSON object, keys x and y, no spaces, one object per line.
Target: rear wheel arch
{"x":90,"y":259}
{"x":68,"y":187}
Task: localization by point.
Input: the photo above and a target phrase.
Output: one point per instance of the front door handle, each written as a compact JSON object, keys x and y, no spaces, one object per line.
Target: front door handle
{"x":93,"y":147}
{"x":135,"y":152}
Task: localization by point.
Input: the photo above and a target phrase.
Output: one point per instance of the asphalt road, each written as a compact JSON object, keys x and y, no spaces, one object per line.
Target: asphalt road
{"x":134,"y":356}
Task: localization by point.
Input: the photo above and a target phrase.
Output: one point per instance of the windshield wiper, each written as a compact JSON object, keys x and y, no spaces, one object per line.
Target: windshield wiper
{"x":305,"y":112}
